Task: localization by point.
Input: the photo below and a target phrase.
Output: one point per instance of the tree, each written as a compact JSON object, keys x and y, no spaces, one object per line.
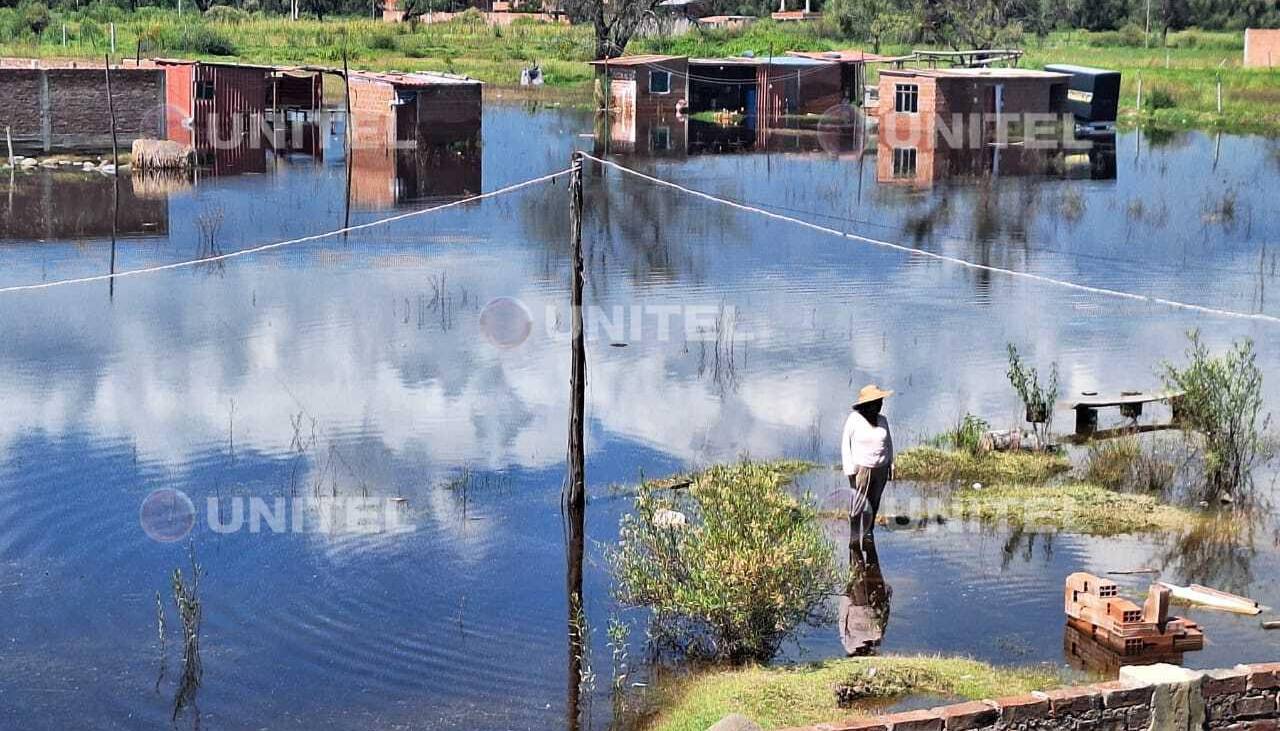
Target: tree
{"x":976,"y":24}
{"x":1099,"y":14}
{"x":873,"y":20}
{"x":614,"y":21}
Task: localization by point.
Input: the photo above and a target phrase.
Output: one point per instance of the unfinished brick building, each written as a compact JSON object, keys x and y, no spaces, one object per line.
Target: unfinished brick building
{"x":64,"y":106}
{"x":1262,"y":48}
{"x":1094,"y":606}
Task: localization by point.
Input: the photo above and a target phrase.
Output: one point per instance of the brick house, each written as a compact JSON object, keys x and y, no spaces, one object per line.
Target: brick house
{"x":1262,"y":48}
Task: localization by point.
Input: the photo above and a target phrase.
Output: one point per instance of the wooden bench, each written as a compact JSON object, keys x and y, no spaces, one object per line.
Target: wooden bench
{"x":1130,"y":403}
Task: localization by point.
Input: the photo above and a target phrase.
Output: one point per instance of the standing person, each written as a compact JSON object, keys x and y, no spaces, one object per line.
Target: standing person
{"x":866,"y":448}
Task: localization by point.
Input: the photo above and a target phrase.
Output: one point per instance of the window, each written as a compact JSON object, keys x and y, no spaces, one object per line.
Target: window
{"x":904,"y":162}
{"x":660,"y":138}
{"x":204,"y":90}
{"x":659,"y":82}
{"x":906,"y":98}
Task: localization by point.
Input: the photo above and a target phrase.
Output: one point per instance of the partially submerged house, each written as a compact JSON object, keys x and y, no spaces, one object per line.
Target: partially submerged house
{"x":1093,"y":95}
{"x":1262,"y":48}
{"x":63,"y":105}
{"x":645,"y":85}
{"x":414,"y":137}
{"x":399,"y":108}
{"x":914,"y":92}
{"x":853,"y":69}
{"x":219,"y":108}
{"x":764,"y":87}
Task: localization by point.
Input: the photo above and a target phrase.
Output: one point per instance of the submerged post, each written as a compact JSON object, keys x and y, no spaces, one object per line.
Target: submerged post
{"x":8,"y":141}
{"x":346,"y":86}
{"x":111,"y":112}
{"x":574,"y":500}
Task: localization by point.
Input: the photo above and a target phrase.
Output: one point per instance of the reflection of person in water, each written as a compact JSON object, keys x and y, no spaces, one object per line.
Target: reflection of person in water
{"x":864,"y":608}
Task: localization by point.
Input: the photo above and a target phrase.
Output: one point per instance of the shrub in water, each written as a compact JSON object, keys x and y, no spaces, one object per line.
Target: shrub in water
{"x":746,"y":565}
{"x":1222,"y":413}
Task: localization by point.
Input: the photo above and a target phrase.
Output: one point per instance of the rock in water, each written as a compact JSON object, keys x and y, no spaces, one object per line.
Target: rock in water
{"x":735,"y":722}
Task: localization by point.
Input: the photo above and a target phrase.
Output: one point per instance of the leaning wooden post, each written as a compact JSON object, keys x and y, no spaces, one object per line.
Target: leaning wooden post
{"x":111,"y":113}
{"x":575,"y":500}
{"x":346,"y":85}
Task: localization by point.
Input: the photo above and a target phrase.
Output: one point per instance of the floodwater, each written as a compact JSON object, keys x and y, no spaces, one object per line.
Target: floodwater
{"x":358,"y":368}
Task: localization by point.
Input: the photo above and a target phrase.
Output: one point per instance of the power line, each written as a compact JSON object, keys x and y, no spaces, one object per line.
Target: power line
{"x":1260,"y":317}
{"x":282,"y":244}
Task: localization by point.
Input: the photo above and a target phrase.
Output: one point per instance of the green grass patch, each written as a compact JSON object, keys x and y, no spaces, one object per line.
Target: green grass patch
{"x":792,"y":696}
{"x":930,"y":464}
{"x":1072,"y":507}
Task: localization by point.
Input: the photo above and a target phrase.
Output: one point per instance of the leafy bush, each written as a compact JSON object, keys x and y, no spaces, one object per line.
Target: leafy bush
{"x":34,"y":18}
{"x":1160,"y":99}
{"x":193,"y":37}
{"x":225,"y":14}
{"x":1222,"y":411}
{"x":735,"y":578}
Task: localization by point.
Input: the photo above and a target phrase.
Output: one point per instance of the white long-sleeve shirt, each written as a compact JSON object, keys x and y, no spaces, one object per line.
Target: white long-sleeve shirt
{"x":864,"y":445}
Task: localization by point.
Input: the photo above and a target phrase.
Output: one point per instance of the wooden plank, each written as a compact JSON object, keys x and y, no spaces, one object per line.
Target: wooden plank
{"x":1101,"y":401}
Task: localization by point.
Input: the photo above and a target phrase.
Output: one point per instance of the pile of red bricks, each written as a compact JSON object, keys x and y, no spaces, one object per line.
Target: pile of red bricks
{"x":1244,"y":698}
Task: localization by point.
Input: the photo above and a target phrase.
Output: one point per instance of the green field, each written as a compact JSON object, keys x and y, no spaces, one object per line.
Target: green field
{"x":1181,"y":79}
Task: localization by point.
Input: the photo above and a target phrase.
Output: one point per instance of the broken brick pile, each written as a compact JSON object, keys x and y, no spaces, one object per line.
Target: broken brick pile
{"x":1153,"y":698}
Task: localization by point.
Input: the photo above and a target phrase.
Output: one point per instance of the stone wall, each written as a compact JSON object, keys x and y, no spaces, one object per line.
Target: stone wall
{"x":1151,"y":698}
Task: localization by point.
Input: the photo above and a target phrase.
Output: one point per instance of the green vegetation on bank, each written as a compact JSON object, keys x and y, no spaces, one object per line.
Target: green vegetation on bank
{"x":1181,"y":78}
{"x":792,"y":696}
{"x":930,"y":464}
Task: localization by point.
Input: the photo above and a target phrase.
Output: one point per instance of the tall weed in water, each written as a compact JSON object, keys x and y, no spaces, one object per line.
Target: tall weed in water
{"x":186,"y":596}
{"x":1127,"y":464}
{"x":1038,"y":399}
{"x":737,"y":574}
{"x":1221,"y":413}
{"x":965,"y":436}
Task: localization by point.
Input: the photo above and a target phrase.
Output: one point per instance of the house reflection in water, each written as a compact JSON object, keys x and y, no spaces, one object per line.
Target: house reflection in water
{"x":928,"y":152}
{"x":58,"y":207}
{"x":678,"y":136}
{"x":415,"y":137}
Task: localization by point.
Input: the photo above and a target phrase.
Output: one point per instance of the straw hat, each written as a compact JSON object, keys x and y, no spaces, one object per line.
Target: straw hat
{"x":871,"y":392}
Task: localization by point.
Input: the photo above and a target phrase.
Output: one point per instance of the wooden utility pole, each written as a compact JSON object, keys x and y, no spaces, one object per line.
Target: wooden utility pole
{"x":574,"y":500}
{"x":1146,"y":37}
{"x":578,"y":360}
{"x":111,"y":112}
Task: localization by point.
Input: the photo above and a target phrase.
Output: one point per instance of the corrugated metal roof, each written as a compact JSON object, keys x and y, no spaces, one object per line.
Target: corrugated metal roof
{"x":638,"y":60}
{"x":846,"y":56}
{"x":415,"y":79}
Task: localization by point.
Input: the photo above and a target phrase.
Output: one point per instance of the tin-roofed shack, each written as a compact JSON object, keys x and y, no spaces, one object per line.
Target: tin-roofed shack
{"x":61,"y":105}
{"x":766,"y":87}
{"x":425,"y":107}
{"x":645,"y":85}
{"x":853,"y":69}
{"x":217,"y":108}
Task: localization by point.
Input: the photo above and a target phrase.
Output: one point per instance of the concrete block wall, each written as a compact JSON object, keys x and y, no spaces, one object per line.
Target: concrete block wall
{"x":1150,"y":698}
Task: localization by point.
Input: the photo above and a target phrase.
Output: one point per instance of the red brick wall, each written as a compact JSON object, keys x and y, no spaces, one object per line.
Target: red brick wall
{"x":373,"y":117}
{"x":1262,"y":48}
{"x":74,"y":112}
{"x":1245,"y":697}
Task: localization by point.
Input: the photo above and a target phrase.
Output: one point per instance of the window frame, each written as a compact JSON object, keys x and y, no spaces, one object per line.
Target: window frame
{"x":906,"y":162}
{"x":200,"y":93}
{"x":904,"y":92}
{"x":654,"y":73}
